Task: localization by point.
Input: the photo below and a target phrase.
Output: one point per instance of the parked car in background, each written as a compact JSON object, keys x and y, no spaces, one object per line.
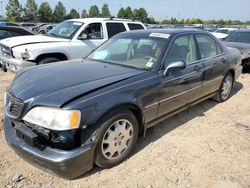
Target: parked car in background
{"x":11,"y":31}
{"x":67,"y":116}
{"x":38,"y":26}
{"x":45,"y":29}
{"x":223,"y":32}
{"x":8,"y":24}
{"x":70,"y":39}
{"x":28,"y":26}
{"x":240,"y":39}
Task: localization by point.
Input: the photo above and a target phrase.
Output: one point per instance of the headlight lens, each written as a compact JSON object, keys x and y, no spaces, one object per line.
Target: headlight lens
{"x":54,"y":118}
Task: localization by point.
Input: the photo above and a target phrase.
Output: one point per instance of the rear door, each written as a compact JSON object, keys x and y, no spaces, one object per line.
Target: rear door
{"x":180,"y":88}
{"x":214,"y":62}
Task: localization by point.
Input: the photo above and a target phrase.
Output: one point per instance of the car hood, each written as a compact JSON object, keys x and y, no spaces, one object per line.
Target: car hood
{"x":30,"y":39}
{"x":243,"y":47}
{"x":57,"y":83}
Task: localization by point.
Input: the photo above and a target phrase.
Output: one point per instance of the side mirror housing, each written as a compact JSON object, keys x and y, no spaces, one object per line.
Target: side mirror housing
{"x":174,"y":66}
{"x":83,"y":36}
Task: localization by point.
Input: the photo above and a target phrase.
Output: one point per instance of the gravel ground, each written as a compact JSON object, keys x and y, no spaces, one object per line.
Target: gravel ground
{"x":207,"y":145}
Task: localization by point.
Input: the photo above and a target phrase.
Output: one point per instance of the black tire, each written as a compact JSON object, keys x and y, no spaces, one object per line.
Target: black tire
{"x":48,"y":60}
{"x":220,"y":96}
{"x":106,"y":124}
{"x":41,"y":32}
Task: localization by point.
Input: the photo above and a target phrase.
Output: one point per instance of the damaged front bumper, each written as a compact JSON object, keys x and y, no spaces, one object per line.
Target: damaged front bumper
{"x":66,"y":164}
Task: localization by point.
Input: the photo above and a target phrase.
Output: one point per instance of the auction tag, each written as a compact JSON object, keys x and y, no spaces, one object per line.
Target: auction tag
{"x":160,"y":35}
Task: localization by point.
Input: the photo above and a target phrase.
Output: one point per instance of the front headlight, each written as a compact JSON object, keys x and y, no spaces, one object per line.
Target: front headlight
{"x":21,"y":55}
{"x":54,"y":118}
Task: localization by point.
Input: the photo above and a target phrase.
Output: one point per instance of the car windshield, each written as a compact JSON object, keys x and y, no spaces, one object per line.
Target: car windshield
{"x":243,"y":37}
{"x":134,"y":51}
{"x":65,"y":29}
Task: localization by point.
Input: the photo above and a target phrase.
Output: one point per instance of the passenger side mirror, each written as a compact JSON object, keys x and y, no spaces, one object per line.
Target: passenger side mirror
{"x":174,"y":66}
{"x":83,"y":36}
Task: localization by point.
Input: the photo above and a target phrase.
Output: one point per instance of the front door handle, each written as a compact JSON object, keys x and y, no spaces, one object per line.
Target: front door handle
{"x":197,"y":68}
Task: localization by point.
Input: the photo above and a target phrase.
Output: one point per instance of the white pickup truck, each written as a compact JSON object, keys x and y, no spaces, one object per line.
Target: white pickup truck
{"x":71,"y":39}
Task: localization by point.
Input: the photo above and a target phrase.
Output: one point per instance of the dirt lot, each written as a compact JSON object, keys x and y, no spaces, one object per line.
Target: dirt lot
{"x":205,"y":146}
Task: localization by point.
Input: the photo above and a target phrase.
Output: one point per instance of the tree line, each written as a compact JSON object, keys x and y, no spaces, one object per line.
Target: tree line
{"x":31,"y":12}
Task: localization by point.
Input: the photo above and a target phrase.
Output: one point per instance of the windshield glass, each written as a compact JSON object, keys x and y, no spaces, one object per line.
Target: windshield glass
{"x":65,"y":29}
{"x":243,"y":37}
{"x":139,"y":52}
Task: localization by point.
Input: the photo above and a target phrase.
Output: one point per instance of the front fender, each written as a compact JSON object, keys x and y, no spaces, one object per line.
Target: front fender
{"x":94,"y":112}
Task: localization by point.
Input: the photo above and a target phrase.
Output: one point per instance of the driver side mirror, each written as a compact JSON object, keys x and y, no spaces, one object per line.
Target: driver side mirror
{"x":174,"y":66}
{"x":83,"y":36}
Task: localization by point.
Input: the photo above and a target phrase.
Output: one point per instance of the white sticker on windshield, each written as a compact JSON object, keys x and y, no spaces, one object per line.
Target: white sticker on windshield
{"x":149,"y":64}
{"x":100,"y":54}
{"x":77,"y":23}
{"x":160,"y":35}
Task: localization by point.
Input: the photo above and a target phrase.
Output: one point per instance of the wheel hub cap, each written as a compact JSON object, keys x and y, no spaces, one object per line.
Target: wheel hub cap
{"x":117,"y":139}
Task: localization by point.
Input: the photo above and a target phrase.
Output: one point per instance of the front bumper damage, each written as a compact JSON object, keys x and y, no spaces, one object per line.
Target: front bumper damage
{"x":66,"y":164}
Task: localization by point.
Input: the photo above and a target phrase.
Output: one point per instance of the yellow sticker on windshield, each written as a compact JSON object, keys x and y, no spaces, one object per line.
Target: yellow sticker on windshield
{"x":160,"y":35}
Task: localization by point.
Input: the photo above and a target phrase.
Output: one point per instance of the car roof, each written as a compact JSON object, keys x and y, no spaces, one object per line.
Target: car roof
{"x":167,"y":31}
{"x":242,"y":30}
{"x":102,"y":19}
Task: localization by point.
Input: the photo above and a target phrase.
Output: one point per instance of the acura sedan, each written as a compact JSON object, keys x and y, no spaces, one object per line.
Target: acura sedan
{"x":65,"y":117}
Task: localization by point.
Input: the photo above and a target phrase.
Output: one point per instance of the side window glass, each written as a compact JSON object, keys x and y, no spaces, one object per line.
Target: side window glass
{"x":3,"y":34}
{"x":115,"y":28}
{"x":133,"y":26}
{"x":93,"y":31}
{"x":182,"y":49}
{"x":207,"y":46}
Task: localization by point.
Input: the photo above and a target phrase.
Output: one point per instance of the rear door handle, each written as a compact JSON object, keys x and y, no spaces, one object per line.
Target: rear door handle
{"x":197,"y":68}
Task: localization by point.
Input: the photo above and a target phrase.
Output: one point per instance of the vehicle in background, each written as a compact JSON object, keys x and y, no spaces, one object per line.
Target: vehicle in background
{"x":240,"y":39}
{"x":222,"y":33}
{"x":28,"y":26}
{"x":38,"y":26}
{"x":66,"y":116}
{"x":45,"y":29}
{"x":71,"y":39}
{"x":12,"y":31}
{"x":9,"y":24}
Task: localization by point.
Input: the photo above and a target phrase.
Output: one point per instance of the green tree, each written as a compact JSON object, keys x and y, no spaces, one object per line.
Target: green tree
{"x":84,"y":14}
{"x":30,"y":11}
{"x":105,"y":11}
{"x":94,"y":11}
{"x":129,"y":13}
{"x":14,"y":11}
{"x":45,"y":13}
{"x":141,"y":14}
{"x":59,"y":12}
{"x":73,"y":14}
{"x":121,"y":13}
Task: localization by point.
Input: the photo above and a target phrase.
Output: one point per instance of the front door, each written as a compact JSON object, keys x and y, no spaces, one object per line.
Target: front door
{"x":95,"y":37}
{"x":179,"y":88}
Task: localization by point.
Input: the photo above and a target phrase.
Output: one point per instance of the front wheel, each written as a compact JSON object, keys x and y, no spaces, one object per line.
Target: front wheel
{"x":116,"y":137}
{"x":48,"y":60}
{"x":225,"y":89}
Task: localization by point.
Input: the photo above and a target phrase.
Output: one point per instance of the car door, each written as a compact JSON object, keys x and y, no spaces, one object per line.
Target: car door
{"x":179,"y":88}
{"x":80,"y":48}
{"x":213,"y":61}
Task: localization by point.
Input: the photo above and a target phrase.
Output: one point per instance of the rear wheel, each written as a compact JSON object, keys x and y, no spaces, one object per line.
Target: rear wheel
{"x":225,"y":89}
{"x":48,"y":60}
{"x":116,"y":138}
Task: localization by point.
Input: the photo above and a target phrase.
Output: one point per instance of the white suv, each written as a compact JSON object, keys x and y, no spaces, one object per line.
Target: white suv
{"x":71,"y":39}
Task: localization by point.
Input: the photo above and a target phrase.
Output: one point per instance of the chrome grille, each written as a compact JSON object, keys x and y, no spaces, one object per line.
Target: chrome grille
{"x":14,"y":107}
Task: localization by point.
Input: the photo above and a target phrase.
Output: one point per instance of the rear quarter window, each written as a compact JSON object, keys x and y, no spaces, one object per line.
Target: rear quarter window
{"x":133,"y":26}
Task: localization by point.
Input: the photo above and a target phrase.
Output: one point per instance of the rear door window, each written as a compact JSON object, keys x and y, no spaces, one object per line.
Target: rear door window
{"x":182,"y":49}
{"x":115,"y":28}
{"x":207,"y":46}
{"x":133,"y":26}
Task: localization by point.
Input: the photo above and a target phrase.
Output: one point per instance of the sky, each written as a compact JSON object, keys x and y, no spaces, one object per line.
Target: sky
{"x":165,"y":9}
